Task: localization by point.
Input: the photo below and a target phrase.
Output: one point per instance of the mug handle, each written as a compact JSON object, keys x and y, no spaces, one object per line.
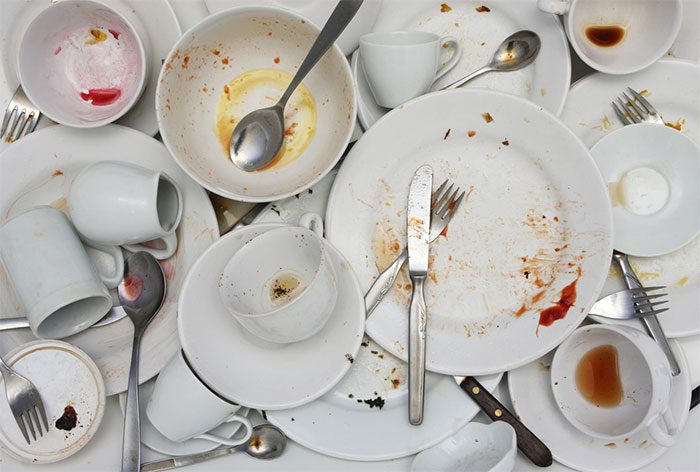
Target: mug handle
{"x":556,"y":7}
{"x":160,"y":254}
{"x":228,"y":441}
{"x":111,"y":280}
{"x":667,"y":434}
{"x":452,"y":43}
{"x":312,"y":221}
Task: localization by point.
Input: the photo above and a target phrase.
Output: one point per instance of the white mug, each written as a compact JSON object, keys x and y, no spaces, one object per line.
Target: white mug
{"x":52,"y":275}
{"x":117,"y":203}
{"x":281,"y":286}
{"x":402,"y":65}
{"x":649,"y":28}
{"x":183,"y":408}
{"x":646,"y":383}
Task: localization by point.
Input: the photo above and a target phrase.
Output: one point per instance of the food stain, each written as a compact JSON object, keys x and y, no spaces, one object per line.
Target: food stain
{"x":678,"y":125}
{"x":487,"y":117}
{"x":276,"y":60}
{"x":68,"y":420}
{"x":598,"y":376}
{"x":444,"y":8}
{"x":57,"y":173}
{"x":101,"y":97}
{"x":114,"y":33}
{"x":96,"y":36}
{"x":471,"y":133}
{"x":483,"y":9}
{"x":605,"y":36}
{"x":262,"y":88}
{"x":559,"y":310}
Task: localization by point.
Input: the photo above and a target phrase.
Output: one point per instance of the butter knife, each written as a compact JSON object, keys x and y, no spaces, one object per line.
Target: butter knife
{"x":418,"y":231}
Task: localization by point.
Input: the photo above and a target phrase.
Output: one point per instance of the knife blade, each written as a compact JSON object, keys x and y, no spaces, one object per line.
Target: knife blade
{"x":528,"y":443}
{"x":418,"y":232}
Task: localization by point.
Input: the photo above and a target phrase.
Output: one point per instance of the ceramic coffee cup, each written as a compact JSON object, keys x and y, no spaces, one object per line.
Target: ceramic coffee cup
{"x":182,"y":407}
{"x":618,"y":36}
{"x":52,"y":275}
{"x":402,"y":65}
{"x":644,"y":375}
{"x":281,"y":286}
{"x":117,"y":203}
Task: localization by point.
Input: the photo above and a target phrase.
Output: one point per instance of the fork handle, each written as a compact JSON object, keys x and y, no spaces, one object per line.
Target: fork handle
{"x":383,"y":283}
{"x":131,"y":443}
{"x":650,"y":321}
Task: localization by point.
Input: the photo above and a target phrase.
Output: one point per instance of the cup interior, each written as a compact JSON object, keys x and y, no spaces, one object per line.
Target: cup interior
{"x":82,"y":63}
{"x":168,"y":204}
{"x":399,"y":38}
{"x":73,"y":317}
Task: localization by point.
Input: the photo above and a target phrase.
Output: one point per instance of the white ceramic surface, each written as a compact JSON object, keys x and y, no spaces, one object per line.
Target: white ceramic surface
{"x":477,"y":447}
{"x":223,"y":355}
{"x":645,"y":377}
{"x":650,"y":28}
{"x":192,"y":84}
{"x":529,"y":228}
{"x":39,"y":169}
{"x":673,"y":88}
{"x":534,"y":403}
{"x":676,"y":159}
{"x":545,"y":82}
{"x":117,"y":203}
{"x":401,"y":65}
{"x":65,"y":376}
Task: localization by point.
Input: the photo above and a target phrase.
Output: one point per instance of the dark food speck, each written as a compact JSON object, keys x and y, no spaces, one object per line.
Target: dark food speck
{"x":68,"y":420}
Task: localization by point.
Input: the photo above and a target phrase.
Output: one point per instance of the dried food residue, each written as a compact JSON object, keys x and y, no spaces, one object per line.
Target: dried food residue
{"x":350,"y":358}
{"x":505,"y":142}
{"x":186,"y":62}
{"x":678,"y":125}
{"x":276,"y":60}
{"x":559,"y":310}
{"x":444,"y":8}
{"x":57,"y":173}
{"x":447,"y":134}
{"x":69,"y":419}
{"x":487,"y":117}
{"x":372,"y":402}
{"x":471,"y":133}
{"x":483,"y":9}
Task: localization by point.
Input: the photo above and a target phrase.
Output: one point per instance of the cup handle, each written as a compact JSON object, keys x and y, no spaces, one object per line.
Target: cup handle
{"x":115,"y":252}
{"x":228,"y":441}
{"x":556,"y":7}
{"x":452,"y":43}
{"x":313,"y":222}
{"x":160,"y":254}
{"x":664,"y":429}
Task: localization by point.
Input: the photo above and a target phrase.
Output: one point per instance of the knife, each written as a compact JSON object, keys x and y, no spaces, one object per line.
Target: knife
{"x":418,"y":231}
{"x":528,"y":443}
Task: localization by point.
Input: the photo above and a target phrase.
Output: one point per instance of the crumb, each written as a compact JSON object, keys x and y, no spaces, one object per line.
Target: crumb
{"x":487,"y":117}
{"x":224,"y":61}
{"x":350,"y":358}
{"x":483,"y":9}
{"x":185,"y":62}
{"x":444,"y":8}
{"x":216,"y":52}
{"x":505,"y":142}
{"x":447,"y":134}
{"x":471,"y":133}
{"x":276,"y":60}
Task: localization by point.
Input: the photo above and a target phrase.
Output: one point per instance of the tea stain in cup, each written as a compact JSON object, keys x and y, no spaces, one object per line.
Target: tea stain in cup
{"x":605,"y":36}
{"x":284,"y":288}
{"x":598,"y":376}
{"x":261,"y":88}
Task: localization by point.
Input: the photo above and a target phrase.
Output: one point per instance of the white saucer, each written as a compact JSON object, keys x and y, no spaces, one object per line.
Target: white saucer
{"x":241,"y":369}
{"x":534,"y":403}
{"x":153,"y":438}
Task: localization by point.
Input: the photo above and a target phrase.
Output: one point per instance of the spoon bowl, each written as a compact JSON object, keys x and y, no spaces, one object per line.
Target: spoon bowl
{"x":266,"y":442}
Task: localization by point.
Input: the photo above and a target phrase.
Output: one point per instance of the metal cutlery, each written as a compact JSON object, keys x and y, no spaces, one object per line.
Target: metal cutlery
{"x":25,"y":402}
{"x":445,"y":203}
{"x":635,"y":109}
{"x":114,"y":315}
{"x":628,"y":304}
{"x":21,"y":117}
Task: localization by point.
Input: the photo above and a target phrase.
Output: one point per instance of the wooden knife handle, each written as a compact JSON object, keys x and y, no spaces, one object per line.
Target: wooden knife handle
{"x":528,"y":443}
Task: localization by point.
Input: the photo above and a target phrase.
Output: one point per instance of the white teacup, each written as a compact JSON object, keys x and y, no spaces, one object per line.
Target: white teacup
{"x":646,"y":383}
{"x":281,"y":286}
{"x":182,"y":407}
{"x":649,"y":27}
{"x":402,"y":65}
{"x":117,"y":203}
{"x":52,"y":275}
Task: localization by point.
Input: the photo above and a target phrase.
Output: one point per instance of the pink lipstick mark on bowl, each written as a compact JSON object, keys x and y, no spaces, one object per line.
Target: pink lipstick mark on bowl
{"x":115,"y":33}
{"x":101,"y":97}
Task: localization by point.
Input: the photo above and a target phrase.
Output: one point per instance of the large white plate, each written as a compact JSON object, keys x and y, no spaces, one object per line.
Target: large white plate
{"x":533,"y":401}
{"x":38,"y":170}
{"x":674,"y":90}
{"x":545,"y":82}
{"x":537,"y":214}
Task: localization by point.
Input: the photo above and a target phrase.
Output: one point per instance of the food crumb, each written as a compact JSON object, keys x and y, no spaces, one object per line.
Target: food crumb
{"x":57,"y":173}
{"x":68,"y":420}
{"x":372,"y":402}
{"x":395,"y":383}
{"x":483,"y":9}
{"x":350,"y":358}
{"x":505,"y":142}
{"x":225,"y":61}
{"x":471,"y":133}
{"x":444,"y":8}
{"x":185,"y":62}
{"x":216,"y":52}
{"x":611,"y":445}
{"x":487,"y":117}
{"x":447,"y":134}
{"x":276,"y":60}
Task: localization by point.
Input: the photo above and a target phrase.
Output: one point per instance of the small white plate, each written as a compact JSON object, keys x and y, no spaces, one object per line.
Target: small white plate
{"x":348,"y":422}
{"x":534,"y":403}
{"x":546,"y":82}
{"x":65,"y":377}
{"x":153,"y":438}
{"x":244,"y":371}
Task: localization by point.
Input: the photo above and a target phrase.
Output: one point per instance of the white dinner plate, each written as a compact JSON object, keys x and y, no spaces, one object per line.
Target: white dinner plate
{"x":155,"y":17}
{"x":673,"y":88}
{"x":537,"y":220}
{"x":318,"y":12}
{"x":348,"y":422}
{"x":38,"y":170}
{"x":534,"y":403}
{"x":264,"y":376}
{"x":545,"y":82}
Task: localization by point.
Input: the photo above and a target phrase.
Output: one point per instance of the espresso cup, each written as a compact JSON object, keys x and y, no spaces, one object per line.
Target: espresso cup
{"x":50,"y":271}
{"x":402,"y":65}
{"x":117,"y":203}
{"x":281,"y":286}
{"x":618,"y":36}
{"x":644,"y":374}
{"x":182,"y":407}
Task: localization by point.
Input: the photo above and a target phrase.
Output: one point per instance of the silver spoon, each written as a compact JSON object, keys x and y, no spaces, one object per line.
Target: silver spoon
{"x":515,"y":52}
{"x":258,"y":137}
{"x":141,"y":294}
{"x":266,"y":442}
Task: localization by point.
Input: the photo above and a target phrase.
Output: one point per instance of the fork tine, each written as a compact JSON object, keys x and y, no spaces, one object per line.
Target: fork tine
{"x":32,"y":124}
{"x":643,"y":306}
{"x":437,"y":193}
{"x":33,"y":420}
{"x":21,"y":124}
{"x":631,"y":113}
{"x":452,"y":209}
{"x":445,"y":206}
{"x":42,"y":413}
{"x":643,"y":290}
{"x":22,"y":427}
{"x":9,"y":112}
{"x":442,"y":199}
{"x":642,"y":298}
{"x":645,"y":103}
{"x":652,"y":312}
{"x":26,"y":418}
{"x":633,"y":103}
{"x":621,"y":114}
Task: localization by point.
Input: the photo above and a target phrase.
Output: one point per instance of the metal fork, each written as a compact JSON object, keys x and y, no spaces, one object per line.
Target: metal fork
{"x":630,"y":304}
{"x":21,"y":117}
{"x":636,"y":109}
{"x":444,"y":203}
{"x":25,"y":402}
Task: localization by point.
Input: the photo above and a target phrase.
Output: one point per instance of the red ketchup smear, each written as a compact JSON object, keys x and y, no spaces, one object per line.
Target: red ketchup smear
{"x":132,"y":287}
{"x":561,"y":308}
{"x":101,"y":97}
{"x":115,"y":33}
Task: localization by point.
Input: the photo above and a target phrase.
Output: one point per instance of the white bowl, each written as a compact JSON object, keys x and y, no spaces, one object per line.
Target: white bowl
{"x":66,"y":71}
{"x":223,"y":47}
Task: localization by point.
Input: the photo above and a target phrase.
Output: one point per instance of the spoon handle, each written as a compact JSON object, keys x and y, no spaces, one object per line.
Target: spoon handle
{"x":131,"y":444}
{"x":14,"y":323}
{"x":339,"y":19}
{"x":466,"y":79}
{"x":182,"y":461}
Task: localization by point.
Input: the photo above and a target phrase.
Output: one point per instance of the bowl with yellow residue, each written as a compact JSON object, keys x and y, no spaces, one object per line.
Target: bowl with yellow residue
{"x":235,"y":62}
